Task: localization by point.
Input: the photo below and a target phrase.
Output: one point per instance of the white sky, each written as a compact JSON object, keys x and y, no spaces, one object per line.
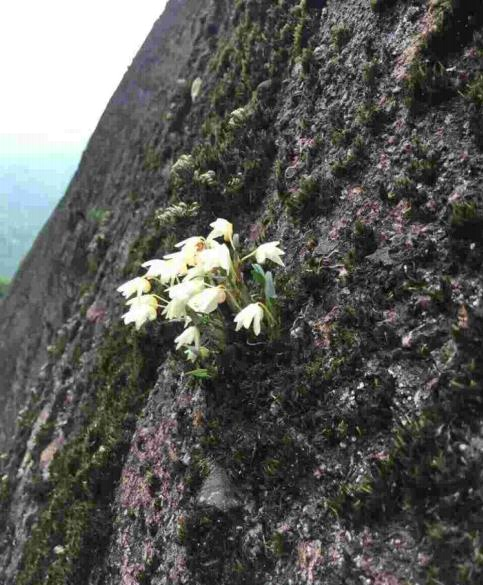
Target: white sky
{"x":60,"y":62}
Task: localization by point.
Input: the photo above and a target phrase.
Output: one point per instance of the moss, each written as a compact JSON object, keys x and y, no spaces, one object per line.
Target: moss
{"x":340,"y":137}
{"x":77,"y":355}
{"x":299,"y":35}
{"x":82,"y":476}
{"x":462,"y":213}
{"x":4,"y":489}
{"x":277,"y":544}
{"x":152,"y":159}
{"x":44,"y":434}
{"x":380,"y":5}
{"x":142,"y":250}
{"x":474,"y":91}
{"x":347,"y":164}
{"x":304,"y":201}
{"x":56,"y":350}
{"x":403,"y":188}
{"x":370,"y":71}
{"x":364,"y":240}
{"x":424,"y":166}
{"x":98,"y":215}
{"x":340,"y":36}
{"x":370,"y":115}
{"x":306,"y":59}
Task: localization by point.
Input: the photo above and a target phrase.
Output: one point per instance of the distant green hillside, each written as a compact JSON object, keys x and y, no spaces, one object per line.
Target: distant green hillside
{"x":4,"y":283}
{"x":30,"y":187}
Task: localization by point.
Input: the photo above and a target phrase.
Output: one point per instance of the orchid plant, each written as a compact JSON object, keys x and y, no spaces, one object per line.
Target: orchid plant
{"x":200,"y":283}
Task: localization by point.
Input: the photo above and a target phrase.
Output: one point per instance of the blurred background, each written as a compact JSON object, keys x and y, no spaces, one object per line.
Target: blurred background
{"x":59,"y":63}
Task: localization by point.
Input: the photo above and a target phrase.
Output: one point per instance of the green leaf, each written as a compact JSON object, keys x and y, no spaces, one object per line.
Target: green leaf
{"x":201,"y":373}
{"x":269,"y":287}
{"x":258,"y":274}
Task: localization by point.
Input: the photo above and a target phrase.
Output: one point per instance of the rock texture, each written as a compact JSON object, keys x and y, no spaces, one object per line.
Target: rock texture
{"x":350,"y":450}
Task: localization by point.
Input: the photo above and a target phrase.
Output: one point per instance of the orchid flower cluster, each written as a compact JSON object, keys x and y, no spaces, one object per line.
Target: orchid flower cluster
{"x":195,"y":283}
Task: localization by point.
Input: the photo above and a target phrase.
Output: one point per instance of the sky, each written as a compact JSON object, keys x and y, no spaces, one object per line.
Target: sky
{"x":60,"y":62}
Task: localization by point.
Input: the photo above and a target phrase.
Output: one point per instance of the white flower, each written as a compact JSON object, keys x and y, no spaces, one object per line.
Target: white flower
{"x":175,"y":309}
{"x":208,"y":300}
{"x":253,"y":312}
{"x":167,"y":270}
{"x":270,"y":251}
{"x":186,"y":289}
{"x":136,"y":286}
{"x":188,"y":337}
{"x":155,"y":268}
{"x":221,"y":227}
{"x":142,"y":309}
{"x":217,"y":256}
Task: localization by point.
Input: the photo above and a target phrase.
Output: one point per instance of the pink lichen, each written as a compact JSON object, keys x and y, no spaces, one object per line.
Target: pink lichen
{"x":178,"y":574}
{"x":304,"y":143}
{"x":407,"y":341}
{"x":384,"y":162}
{"x":399,"y":215}
{"x":384,"y":578}
{"x":471,"y":53}
{"x":319,"y":471}
{"x":135,"y":493}
{"x":423,"y":302}
{"x":423,"y":559}
{"x":366,"y":540}
{"x":375,"y":575}
{"x":256,"y":231}
{"x":431,"y":384}
{"x":309,"y":559}
{"x":95,"y":313}
{"x":354,"y":193}
{"x":379,"y":456}
{"x":154,"y":448}
{"x":48,"y":453}
{"x":337,"y":227}
{"x":130,"y":572}
{"x":390,"y":316}
{"x":369,"y":211}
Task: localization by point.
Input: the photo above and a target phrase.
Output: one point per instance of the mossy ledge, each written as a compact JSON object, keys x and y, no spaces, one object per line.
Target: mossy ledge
{"x":85,"y":474}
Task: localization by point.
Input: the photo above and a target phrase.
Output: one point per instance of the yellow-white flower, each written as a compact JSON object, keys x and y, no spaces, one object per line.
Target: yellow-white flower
{"x":208,"y":300}
{"x":251,"y":313}
{"x":195,"y":272}
{"x":186,"y":289}
{"x":190,"y":249}
{"x":270,"y":251}
{"x":136,"y":286}
{"x":175,"y":309}
{"x":190,"y":336}
{"x":217,"y":256}
{"x":221,"y":227}
{"x":141,"y":310}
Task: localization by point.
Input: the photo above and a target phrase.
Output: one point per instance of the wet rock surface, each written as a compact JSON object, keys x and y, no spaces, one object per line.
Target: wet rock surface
{"x":349,"y":450}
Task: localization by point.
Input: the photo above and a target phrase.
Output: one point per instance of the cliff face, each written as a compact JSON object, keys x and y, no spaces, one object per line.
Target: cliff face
{"x":350,"y":450}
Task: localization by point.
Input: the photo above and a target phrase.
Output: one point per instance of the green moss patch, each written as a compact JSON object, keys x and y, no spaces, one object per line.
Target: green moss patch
{"x":75,"y":524}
